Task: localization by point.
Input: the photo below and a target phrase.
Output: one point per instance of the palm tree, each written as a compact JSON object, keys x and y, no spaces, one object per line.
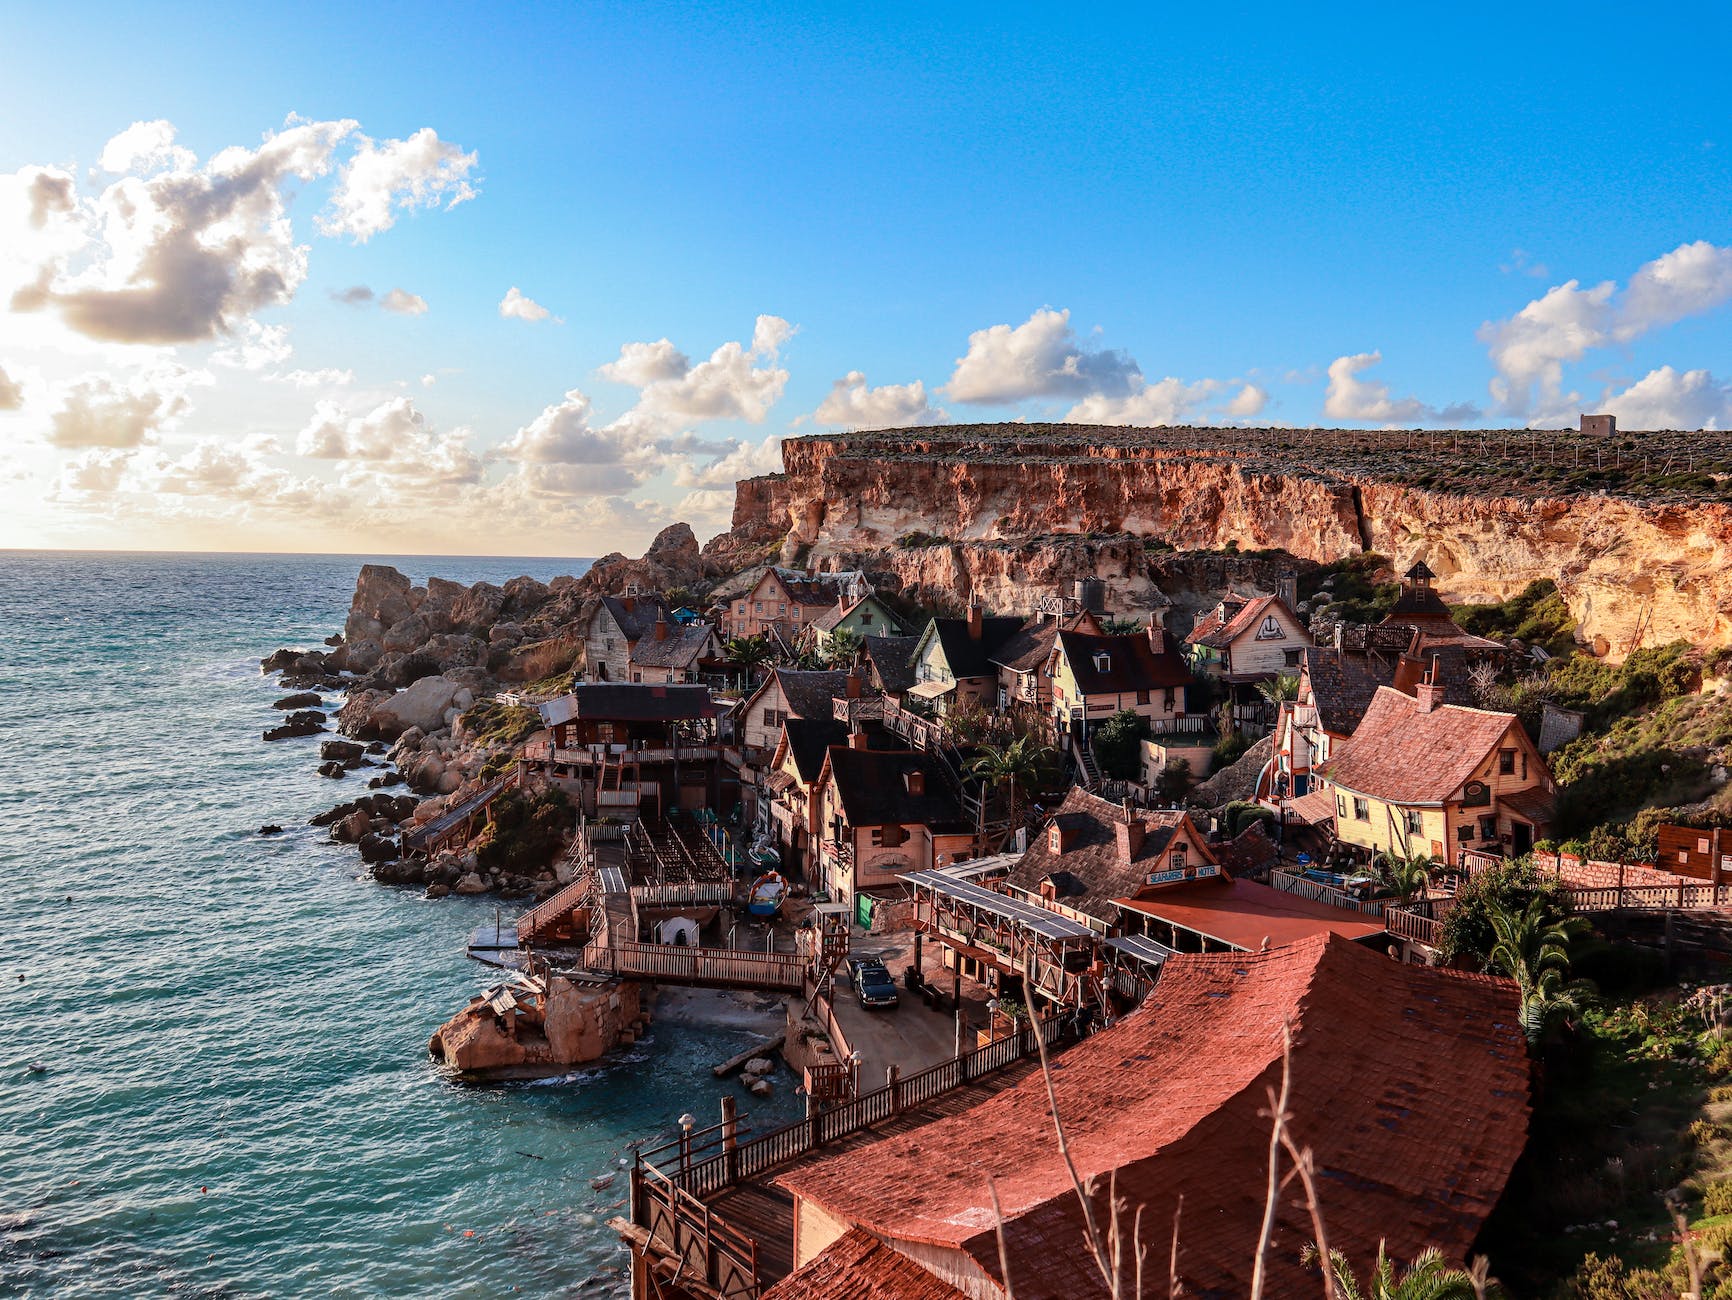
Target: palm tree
{"x":1532,"y":947}
{"x":842,"y":648}
{"x":1280,"y":688}
{"x":750,"y":653}
{"x":1430,"y":1277}
{"x":1408,"y":874}
{"x":1017,"y":764}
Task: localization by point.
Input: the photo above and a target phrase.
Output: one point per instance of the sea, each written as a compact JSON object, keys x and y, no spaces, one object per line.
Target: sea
{"x":214,"y":1079}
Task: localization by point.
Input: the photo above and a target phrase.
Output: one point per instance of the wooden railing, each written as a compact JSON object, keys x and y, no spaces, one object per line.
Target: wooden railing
{"x":1318,"y":892}
{"x":679,"y":893}
{"x":702,"y":1246}
{"x":703,"y":1166}
{"x":1686,"y":896}
{"x":1413,"y":926}
{"x":544,"y":914}
{"x":706,"y":967}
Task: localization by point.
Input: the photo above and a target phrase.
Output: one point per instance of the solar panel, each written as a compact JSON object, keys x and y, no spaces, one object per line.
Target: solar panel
{"x":1049,"y":925}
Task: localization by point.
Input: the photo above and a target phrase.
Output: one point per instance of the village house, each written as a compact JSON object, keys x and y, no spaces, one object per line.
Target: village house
{"x":1024,"y":682}
{"x":1423,"y":777}
{"x":1094,"y":677}
{"x":865,"y":616}
{"x":883,"y":815}
{"x":888,"y":663}
{"x":790,"y":693}
{"x":624,"y":750}
{"x":1405,"y":1080}
{"x":614,"y":629}
{"x":953,"y":667}
{"x":790,"y":601}
{"x":1243,"y":641}
{"x":673,"y":653}
{"x":794,"y":806}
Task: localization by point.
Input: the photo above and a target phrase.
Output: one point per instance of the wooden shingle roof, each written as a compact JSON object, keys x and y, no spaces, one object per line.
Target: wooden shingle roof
{"x":1404,"y":754}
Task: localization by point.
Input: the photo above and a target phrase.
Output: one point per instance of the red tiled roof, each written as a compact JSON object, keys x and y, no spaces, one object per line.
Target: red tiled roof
{"x":1533,"y":805}
{"x":1404,"y":754}
{"x":1314,"y":808}
{"x":1250,"y":916}
{"x":857,"y":1266}
{"x":1409,"y":1086}
{"x":1212,"y":632}
{"x":1251,"y":851}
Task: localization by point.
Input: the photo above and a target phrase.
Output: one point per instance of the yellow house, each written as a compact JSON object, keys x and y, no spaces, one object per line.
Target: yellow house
{"x":1425,"y":778}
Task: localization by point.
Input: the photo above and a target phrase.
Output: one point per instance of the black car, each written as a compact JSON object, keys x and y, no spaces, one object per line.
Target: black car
{"x":872,"y":983}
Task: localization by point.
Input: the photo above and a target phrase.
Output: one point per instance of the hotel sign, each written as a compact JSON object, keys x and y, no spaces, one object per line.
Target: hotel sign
{"x":1180,"y":873}
{"x":1165,"y":877}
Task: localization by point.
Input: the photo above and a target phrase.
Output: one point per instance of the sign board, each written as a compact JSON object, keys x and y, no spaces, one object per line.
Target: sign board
{"x":1165,"y":877}
{"x":1304,"y":859}
{"x":1203,"y":873}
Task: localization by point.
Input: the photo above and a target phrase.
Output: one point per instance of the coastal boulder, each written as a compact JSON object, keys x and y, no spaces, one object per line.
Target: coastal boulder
{"x":420,"y":704}
{"x":381,"y":600}
{"x":300,"y":700}
{"x":477,"y":609}
{"x":435,"y":609}
{"x":455,"y":650}
{"x":377,"y":848}
{"x":355,"y":718}
{"x":470,"y":884}
{"x":406,"y":633}
{"x":342,"y":751}
{"x":359,"y":656}
{"x":524,"y":595}
{"x":305,"y":723}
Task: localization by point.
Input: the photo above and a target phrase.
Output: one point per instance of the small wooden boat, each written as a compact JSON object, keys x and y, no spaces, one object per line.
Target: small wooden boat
{"x":767,"y":894}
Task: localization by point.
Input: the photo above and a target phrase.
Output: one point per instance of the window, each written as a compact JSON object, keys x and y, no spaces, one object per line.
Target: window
{"x":1290,"y":658}
{"x":1103,"y":661}
{"x":1142,"y":697}
{"x":1341,"y":805}
{"x":637,"y":677}
{"x":877,"y":837}
{"x":866,"y":619}
{"x":1488,"y":828}
{"x":1413,"y":820}
{"x":1506,"y":762}
{"x":1054,"y":839}
{"x":1361,"y":810}
{"x":1176,"y":858}
{"x":757,"y":607}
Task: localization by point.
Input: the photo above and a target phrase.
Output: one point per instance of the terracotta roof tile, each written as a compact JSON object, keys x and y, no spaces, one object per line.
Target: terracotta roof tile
{"x":1404,"y":754}
{"x":1250,"y":916}
{"x":1217,"y":634}
{"x":1342,"y":685}
{"x":857,"y":1266}
{"x":1409,"y":1085}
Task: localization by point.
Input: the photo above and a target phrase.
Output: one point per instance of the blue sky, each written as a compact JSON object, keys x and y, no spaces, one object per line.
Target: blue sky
{"x":1232,"y":201}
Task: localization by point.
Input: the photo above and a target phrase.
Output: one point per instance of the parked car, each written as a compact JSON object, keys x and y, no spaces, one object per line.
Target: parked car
{"x":873,"y":986}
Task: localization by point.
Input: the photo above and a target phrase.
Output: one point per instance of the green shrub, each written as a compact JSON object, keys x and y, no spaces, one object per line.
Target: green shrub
{"x":1118,"y":744}
{"x":1537,"y":615}
{"x":1229,"y":750}
{"x":1467,"y":928}
{"x":1717,"y":1199}
{"x":524,"y":832}
{"x":1239,"y":814}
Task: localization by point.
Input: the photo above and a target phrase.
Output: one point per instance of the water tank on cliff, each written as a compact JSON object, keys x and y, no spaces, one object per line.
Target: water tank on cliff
{"x":1091,"y":595}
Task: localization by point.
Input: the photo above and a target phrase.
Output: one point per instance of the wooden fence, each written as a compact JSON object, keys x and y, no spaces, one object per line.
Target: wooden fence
{"x":703,"y":1247}
{"x":697,"y":893}
{"x":706,"y":1162}
{"x":702,"y":967}
{"x":1318,"y":892}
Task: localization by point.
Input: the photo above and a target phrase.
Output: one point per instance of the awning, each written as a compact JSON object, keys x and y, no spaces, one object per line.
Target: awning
{"x":932,"y":690}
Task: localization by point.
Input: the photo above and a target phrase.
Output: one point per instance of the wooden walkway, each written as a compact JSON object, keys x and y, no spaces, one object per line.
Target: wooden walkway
{"x":765,"y":1212}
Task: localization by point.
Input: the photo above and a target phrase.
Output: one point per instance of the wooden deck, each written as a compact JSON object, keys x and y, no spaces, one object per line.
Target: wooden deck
{"x":765,"y":1212}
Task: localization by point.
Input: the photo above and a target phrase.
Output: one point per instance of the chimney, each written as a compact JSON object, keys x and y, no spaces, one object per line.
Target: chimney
{"x":1157,"y":636}
{"x":1287,"y":588}
{"x":628,"y":603}
{"x":851,"y":684}
{"x":916,"y":783}
{"x":976,"y":619}
{"x":1130,"y":837}
{"x":1428,"y":693}
{"x":661,"y":628}
{"x":857,"y":739}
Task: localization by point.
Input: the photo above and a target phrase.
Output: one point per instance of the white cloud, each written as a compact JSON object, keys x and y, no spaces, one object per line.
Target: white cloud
{"x":1351,"y":398}
{"x":327,"y":378}
{"x":256,"y":347}
{"x":382,"y":180}
{"x":1039,"y":358}
{"x":95,"y":470}
{"x":515,"y":306}
{"x":1667,"y":399}
{"x":1168,"y":401}
{"x":145,"y":146}
{"x":428,"y":380}
{"x":1530,"y":349}
{"x":99,"y":411}
{"x":11,"y":392}
{"x":851,"y":403}
{"x":404,"y":303}
{"x":390,"y":430}
{"x":643,"y":364}
{"x":1248,"y":402}
{"x":745,"y":460}
{"x":356,"y":295}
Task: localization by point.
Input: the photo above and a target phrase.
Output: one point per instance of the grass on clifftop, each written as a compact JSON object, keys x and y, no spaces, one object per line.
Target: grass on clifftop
{"x":1537,"y":616}
{"x":495,"y":724}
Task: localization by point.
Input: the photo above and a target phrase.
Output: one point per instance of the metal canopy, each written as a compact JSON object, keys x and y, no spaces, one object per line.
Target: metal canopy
{"x":1142,"y":948}
{"x":1048,"y":925}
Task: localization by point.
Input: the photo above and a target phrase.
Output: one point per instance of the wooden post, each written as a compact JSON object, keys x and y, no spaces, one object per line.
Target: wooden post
{"x":813,"y":1134}
{"x":961,"y":1024}
{"x":919,"y":971}
{"x":893,"y":1081}
{"x":730,"y":1140}
{"x":1714,"y":865}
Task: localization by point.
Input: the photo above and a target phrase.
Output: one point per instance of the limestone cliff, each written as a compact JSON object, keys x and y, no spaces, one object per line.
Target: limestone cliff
{"x":1010,"y":511}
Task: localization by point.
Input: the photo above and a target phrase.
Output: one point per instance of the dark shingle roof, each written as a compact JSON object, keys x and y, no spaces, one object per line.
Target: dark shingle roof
{"x":1091,"y":853}
{"x":680,"y":648}
{"x":809,"y":694}
{"x":637,"y":620}
{"x":1342,"y":684}
{"x":871,"y":786}
{"x":1030,"y":647}
{"x":1131,"y":663}
{"x":969,"y":656}
{"x":809,"y":739}
{"x":628,"y":702}
{"x":893,"y":660}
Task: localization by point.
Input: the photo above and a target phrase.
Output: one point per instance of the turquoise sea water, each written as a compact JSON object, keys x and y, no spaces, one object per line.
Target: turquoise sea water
{"x":238,"y":1100}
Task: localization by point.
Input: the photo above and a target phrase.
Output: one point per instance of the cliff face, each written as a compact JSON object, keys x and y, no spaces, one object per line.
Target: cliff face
{"x":1013,"y":511}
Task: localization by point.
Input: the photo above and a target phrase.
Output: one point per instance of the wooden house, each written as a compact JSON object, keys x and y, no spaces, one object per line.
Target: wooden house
{"x":1024,"y":662}
{"x":1094,"y":677}
{"x":615,"y":627}
{"x":672,"y":653}
{"x":1424,"y":777}
{"x":953,"y":667}
{"x":883,"y":815}
{"x":626,"y":750}
{"x":790,"y":601}
{"x":864,"y":616}
{"x":1244,"y":641}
